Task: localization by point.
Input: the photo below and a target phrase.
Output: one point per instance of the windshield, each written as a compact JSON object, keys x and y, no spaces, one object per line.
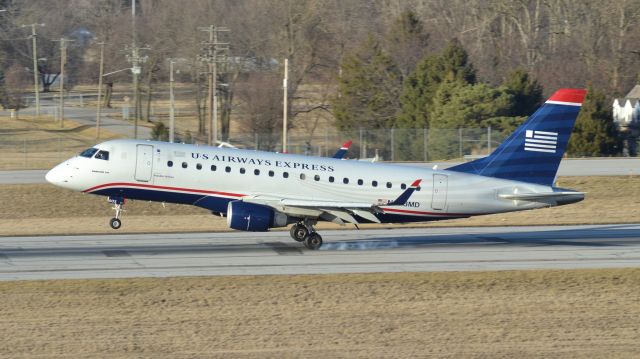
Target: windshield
{"x":88,"y":152}
{"x":102,"y":155}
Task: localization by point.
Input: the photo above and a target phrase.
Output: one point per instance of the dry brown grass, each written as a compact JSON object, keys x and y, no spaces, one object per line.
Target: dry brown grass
{"x":30,"y":143}
{"x":45,"y":209}
{"x":525,"y":314}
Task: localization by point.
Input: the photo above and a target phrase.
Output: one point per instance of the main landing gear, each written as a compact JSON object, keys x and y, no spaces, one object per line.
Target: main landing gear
{"x":118,"y":202}
{"x":304,"y":232}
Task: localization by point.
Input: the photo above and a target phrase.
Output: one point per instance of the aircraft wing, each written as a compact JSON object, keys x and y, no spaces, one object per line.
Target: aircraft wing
{"x":333,"y":211}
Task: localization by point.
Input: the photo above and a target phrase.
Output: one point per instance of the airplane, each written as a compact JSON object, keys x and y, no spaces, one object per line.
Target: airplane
{"x":342,"y":151}
{"x":257,"y":190}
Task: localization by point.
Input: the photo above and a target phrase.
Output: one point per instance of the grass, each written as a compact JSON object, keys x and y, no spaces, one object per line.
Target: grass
{"x":524,"y":314}
{"x":42,"y":209}
{"x":30,"y":143}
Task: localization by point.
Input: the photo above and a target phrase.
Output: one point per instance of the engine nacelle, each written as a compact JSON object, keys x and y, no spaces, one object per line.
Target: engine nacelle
{"x":251,"y":217}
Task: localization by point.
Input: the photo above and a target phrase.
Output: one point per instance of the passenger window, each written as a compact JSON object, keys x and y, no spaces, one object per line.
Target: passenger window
{"x":403,"y":186}
{"x":345,"y":180}
{"x":331,"y":179}
{"x":316,"y":177}
{"x":184,"y":165}
{"x":242,"y":170}
{"x":256,"y":172}
{"x":302,"y":176}
{"x":285,"y":174}
{"x":360,"y":182}
{"x":170,"y":164}
{"x":213,"y":167}
{"x":199,"y":166}
{"x":89,"y":152}
{"x":103,"y":155}
{"x":271,"y":173}
{"x":389,"y":185}
{"x":227,"y":169}
{"x":374,"y":183}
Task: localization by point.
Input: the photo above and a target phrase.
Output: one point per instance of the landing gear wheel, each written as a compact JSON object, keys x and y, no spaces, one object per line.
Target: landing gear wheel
{"x":115,"y":223}
{"x":313,"y":241}
{"x":299,"y":232}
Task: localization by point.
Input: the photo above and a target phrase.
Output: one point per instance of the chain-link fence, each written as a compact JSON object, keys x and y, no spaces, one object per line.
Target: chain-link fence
{"x":385,"y":144}
{"x":22,"y":150}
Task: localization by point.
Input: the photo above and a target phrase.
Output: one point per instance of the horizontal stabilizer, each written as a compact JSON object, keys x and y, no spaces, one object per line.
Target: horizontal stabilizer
{"x":540,"y":196}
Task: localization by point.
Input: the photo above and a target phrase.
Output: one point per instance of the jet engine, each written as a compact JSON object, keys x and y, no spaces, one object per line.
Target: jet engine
{"x":251,"y":217}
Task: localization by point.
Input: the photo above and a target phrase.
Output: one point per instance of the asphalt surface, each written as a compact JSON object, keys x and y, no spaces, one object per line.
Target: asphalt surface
{"x":344,"y":251}
{"x":568,"y":167}
{"x":111,"y":119}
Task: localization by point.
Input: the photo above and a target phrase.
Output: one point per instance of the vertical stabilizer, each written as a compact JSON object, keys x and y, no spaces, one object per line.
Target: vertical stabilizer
{"x":533,"y":152}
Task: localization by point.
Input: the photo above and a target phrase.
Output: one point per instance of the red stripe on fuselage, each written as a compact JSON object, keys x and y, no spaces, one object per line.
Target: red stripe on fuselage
{"x":426,"y":213}
{"x":141,"y":185}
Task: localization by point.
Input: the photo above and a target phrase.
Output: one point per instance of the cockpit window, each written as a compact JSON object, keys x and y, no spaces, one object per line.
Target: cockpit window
{"x":103,"y":155}
{"x":89,"y":152}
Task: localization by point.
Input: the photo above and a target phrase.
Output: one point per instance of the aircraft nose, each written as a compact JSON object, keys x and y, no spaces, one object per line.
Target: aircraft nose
{"x":52,"y":176}
{"x":55,"y":175}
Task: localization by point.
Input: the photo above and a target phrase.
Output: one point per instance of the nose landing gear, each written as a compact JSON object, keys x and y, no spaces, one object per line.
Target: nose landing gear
{"x":118,"y":202}
{"x":304,"y":232}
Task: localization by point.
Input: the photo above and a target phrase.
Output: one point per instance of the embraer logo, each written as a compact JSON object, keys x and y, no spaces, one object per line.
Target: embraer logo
{"x":541,"y":141}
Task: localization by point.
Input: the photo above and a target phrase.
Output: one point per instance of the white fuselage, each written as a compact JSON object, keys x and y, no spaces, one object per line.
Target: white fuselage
{"x":211,"y":177}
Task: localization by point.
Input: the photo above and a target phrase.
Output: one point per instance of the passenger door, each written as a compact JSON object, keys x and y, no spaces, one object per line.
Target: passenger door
{"x":144,"y":163}
{"x":439,"y":196}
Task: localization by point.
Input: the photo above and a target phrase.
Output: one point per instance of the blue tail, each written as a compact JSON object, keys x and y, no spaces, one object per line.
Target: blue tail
{"x":533,"y":152}
{"x":343,"y":150}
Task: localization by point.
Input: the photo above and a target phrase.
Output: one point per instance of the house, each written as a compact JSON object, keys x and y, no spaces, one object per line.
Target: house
{"x":626,"y":115}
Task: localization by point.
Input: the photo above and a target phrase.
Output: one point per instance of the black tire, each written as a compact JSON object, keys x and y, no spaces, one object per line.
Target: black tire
{"x":299,"y":232}
{"x":313,"y":241}
{"x":115,"y":223}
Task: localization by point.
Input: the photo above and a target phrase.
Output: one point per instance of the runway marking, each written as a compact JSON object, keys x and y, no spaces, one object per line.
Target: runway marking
{"x":144,"y":268}
{"x":116,"y":253}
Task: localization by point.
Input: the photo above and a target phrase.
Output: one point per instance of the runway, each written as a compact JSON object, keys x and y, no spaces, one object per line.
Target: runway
{"x":345,"y":251}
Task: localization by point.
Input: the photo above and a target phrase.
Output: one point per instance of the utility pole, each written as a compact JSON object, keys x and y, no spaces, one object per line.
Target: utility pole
{"x":135,"y":59}
{"x":99,"y":106}
{"x":212,"y":47}
{"x":36,"y":89}
{"x":172,"y":105}
{"x":284,"y":105}
{"x":63,"y":62}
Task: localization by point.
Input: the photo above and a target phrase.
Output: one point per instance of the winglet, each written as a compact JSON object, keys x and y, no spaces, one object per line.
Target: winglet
{"x":404,"y":197}
{"x":343,"y":150}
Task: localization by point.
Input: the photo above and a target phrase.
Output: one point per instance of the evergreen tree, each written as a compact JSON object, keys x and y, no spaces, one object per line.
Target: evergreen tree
{"x":368,"y":94}
{"x":469,"y":107}
{"x":526,"y":91}
{"x":160,"y":132}
{"x":595,"y":133}
{"x":420,"y":88}
{"x":407,"y":41}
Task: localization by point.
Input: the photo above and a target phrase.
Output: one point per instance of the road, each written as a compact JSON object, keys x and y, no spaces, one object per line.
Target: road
{"x":110,"y":119}
{"x":568,"y":167}
{"x":580,"y":167}
{"x":345,"y":251}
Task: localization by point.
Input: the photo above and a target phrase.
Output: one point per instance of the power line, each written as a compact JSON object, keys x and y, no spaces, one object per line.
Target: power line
{"x":63,"y":62}
{"x":36,"y":88}
{"x":214,"y":52}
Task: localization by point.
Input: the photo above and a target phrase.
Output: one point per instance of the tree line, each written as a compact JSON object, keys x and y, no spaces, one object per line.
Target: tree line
{"x":385,"y":63}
